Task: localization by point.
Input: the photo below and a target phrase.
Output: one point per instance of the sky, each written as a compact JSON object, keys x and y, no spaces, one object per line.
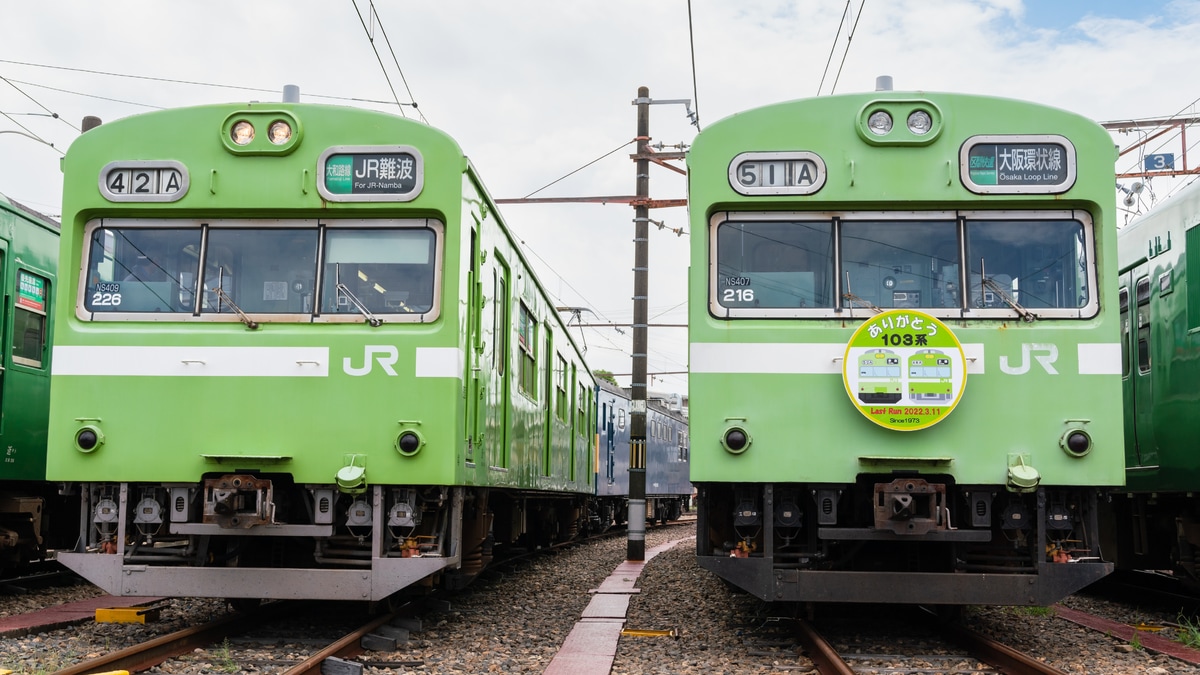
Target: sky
{"x":539,"y":94}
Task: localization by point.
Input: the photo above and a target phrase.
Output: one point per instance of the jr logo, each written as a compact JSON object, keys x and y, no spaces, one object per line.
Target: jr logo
{"x":1047,"y":356}
{"x":386,"y":355}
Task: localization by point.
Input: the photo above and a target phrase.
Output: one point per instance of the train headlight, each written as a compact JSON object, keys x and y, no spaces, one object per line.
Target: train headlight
{"x":879,"y":123}
{"x":242,"y":132}
{"x":1076,"y":442}
{"x":279,"y":132}
{"x":735,"y":440}
{"x":88,"y":438}
{"x":919,"y":122}
{"x":409,"y":443}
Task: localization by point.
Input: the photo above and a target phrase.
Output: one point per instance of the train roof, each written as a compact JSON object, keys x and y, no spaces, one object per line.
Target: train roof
{"x":30,"y":213}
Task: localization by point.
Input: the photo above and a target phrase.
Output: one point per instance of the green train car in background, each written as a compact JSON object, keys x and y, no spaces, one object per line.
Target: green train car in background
{"x":828,"y":229}
{"x":34,"y":516}
{"x":301,"y":356}
{"x":1155,"y":521}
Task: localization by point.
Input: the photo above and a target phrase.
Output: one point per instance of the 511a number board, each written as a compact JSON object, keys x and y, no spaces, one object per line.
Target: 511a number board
{"x":144,"y":181}
{"x":777,"y":173}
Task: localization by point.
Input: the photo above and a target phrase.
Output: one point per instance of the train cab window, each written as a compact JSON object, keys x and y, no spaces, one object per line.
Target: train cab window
{"x":29,"y":319}
{"x":259,"y":270}
{"x":977,"y":264}
{"x":141,"y":269}
{"x":388,"y":271}
{"x":1035,"y":263}
{"x":891,"y":264}
{"x":769,"y":265}
{"x":271,"y":270}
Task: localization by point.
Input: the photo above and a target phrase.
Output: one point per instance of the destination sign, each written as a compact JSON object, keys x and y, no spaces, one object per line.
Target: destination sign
{"x":388,"y":173}
{"x":777,"y":173}
{"x":144,"y":181}
{"x":1018,"y":164}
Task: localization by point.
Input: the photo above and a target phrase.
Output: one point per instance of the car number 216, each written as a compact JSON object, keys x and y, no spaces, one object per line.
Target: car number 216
{"x":737,"y":295}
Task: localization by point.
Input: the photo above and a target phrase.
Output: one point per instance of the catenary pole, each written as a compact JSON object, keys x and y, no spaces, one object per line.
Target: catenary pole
{"x":637,"y":436}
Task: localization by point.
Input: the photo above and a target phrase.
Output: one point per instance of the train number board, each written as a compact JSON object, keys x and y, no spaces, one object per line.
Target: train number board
{"x":777,"y":173}
{"x":392,"y":173}
{"x":144,"y":181}
{"x":1038,"y":164}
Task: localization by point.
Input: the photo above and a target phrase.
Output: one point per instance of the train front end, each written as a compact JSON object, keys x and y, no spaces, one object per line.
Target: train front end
{"x":904,"y":356}
{"x":259,"y":380}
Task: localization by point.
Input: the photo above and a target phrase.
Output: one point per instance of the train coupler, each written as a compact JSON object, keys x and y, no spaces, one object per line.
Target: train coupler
{"x":239,"y":501}
{"x":910,"y":506}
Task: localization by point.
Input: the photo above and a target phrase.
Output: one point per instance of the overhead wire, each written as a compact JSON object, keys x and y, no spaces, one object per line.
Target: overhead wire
{"x":579,"y":169}
{"x":692,"y":45}
{"x":190,"y":82}
{"x":833,"y":47}
{"x":371,"y":39}
{"x":396,"y":61}
{"x":37,"y":103}
{"x":849,"y":40}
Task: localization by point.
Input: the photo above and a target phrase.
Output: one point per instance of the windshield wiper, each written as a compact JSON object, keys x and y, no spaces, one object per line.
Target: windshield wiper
{"x":362,"y":309}
{"x":991,"y":284}
{"x":222,"y":296}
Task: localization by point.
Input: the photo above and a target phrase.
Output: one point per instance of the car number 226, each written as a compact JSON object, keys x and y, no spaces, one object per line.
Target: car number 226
{"x":105,"y":299}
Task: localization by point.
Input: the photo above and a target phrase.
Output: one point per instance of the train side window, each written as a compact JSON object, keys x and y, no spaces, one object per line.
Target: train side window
{"x":1123,"y":295}
{"x":1142,"y":291}
{"x":1191,"y":274}
{"x":29,"y":319}
{"x":527,"y":339}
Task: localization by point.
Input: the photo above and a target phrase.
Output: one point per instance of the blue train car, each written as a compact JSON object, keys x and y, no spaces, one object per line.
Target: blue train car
{"x":668,"y":489}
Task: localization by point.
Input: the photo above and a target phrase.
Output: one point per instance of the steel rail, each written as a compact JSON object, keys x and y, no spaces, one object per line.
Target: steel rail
{"x":146,"y":655}
{"x":347,"y":647}
{"x":1007,"y":659}
{"x":820,"y":652}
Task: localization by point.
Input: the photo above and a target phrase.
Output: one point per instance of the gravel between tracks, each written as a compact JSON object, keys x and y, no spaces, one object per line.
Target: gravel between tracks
{"x":515,"y":621}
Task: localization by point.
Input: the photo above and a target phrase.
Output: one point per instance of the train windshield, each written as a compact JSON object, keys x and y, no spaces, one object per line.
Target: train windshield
{"x":275,"y":270}
{"x":953,"y":264}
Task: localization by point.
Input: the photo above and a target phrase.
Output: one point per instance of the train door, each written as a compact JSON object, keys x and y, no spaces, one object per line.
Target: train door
{"x":476,"y":391}
{"x":6,"y":332}
{"x":500,"y":372}
{"x":610,"y":455}
{"x":1142,"y":376}
{"x":1128,"y":349}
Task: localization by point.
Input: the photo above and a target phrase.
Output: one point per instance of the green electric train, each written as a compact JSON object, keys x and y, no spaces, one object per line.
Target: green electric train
{"x":974,"y":238}
{"x":35,"y":516}
{"x":1155,"y":520}
{"x":300,"y":355}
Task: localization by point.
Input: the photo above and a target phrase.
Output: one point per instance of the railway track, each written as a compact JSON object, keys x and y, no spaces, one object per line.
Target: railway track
{"x":911,"y":641}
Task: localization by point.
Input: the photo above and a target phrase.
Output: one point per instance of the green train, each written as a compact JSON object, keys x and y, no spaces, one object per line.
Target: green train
{"x":35,"y":516}
{"x":1154,"y":523}
{"x":930,"y":376}
{"x":300,"y":355}
{"x":975,"y":231}
{"x":879,"y":377}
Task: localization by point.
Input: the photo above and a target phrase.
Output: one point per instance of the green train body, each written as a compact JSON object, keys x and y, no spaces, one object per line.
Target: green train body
{"x":302,"y":356}
{"x":1156,"y":519}
{"x":879,"y":377}
{"x":929,"y":376}
{"x":33,"y":515}
{"x":827,"y":229}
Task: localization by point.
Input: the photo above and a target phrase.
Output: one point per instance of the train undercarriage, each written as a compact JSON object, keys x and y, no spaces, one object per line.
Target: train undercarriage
{"x":265,"y":537}
{"x":900,"y":539}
